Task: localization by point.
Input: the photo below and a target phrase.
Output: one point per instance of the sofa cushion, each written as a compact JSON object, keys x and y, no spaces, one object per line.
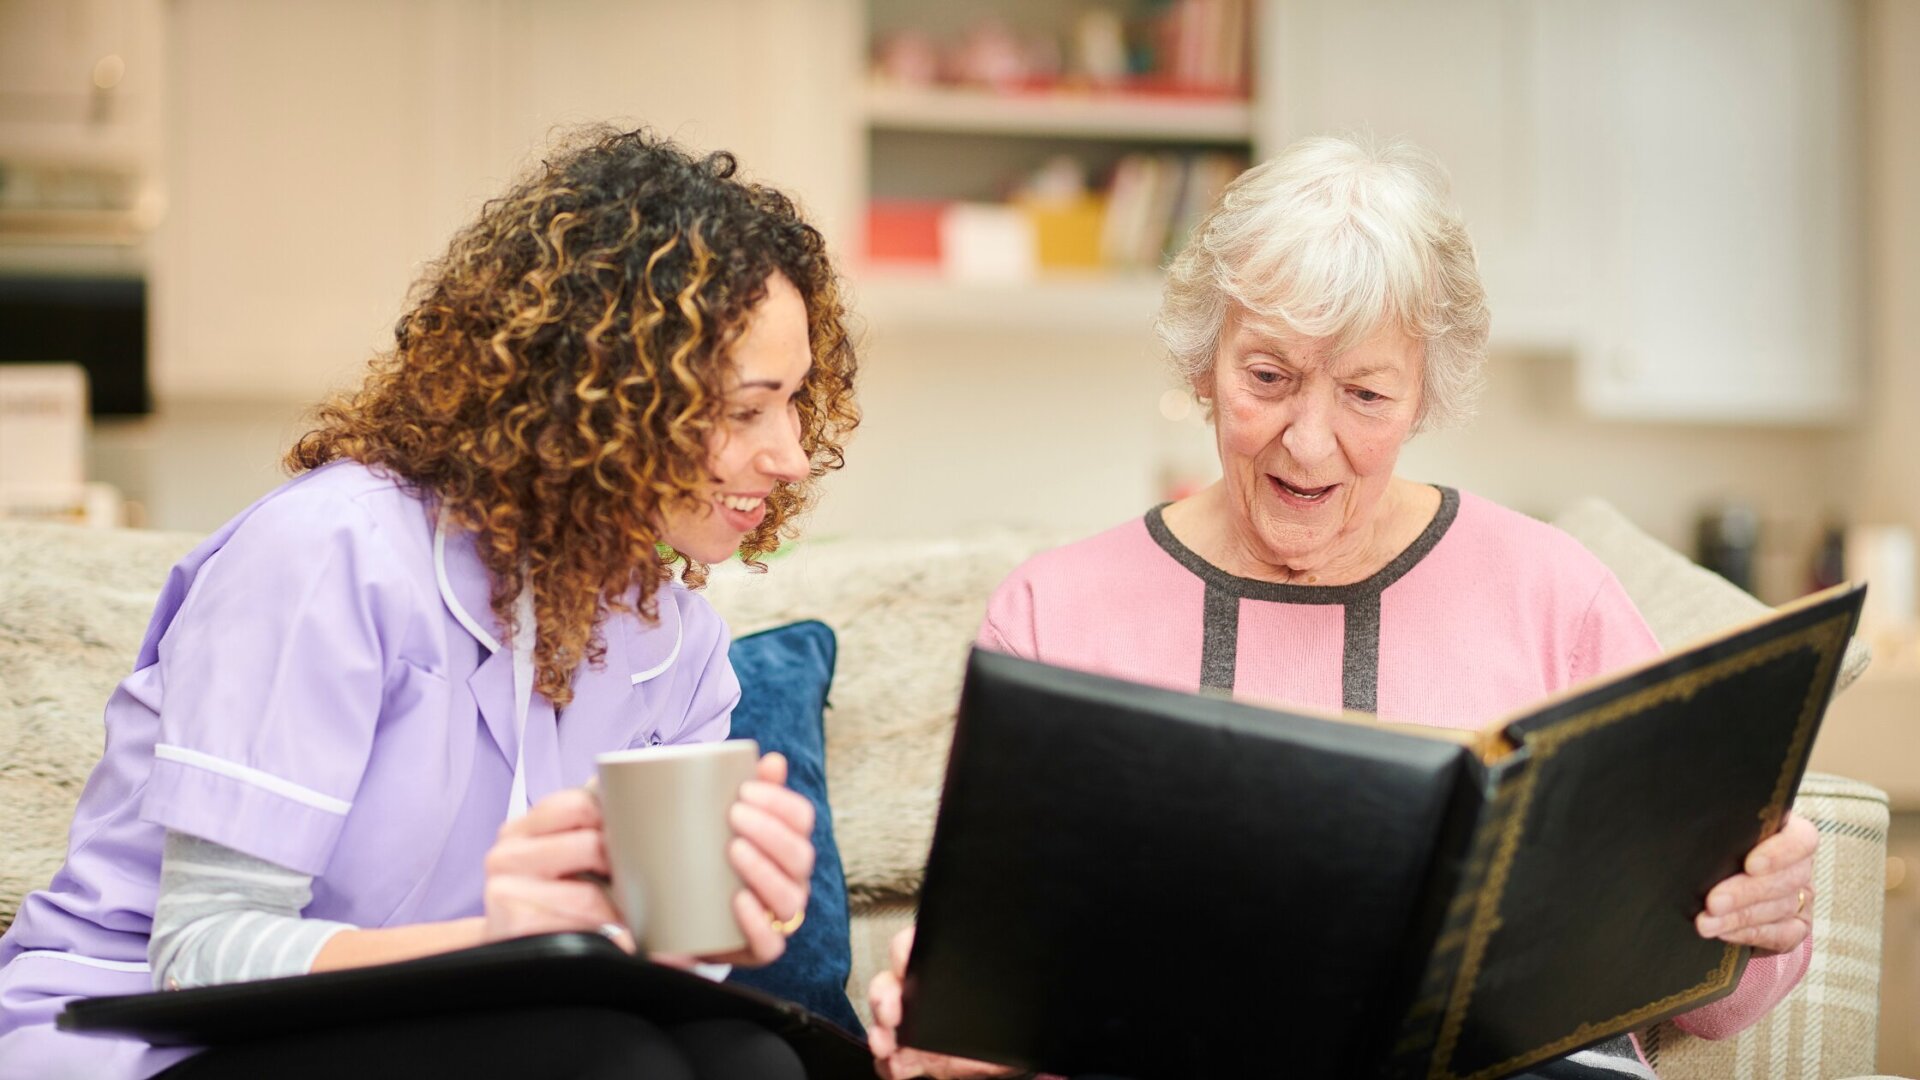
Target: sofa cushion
{"x":74,"y":604}
{"x":1825,"y":1027}
{"x":784,"y":678}
{"x":1680,"y":600}
{"x":905,"y":613}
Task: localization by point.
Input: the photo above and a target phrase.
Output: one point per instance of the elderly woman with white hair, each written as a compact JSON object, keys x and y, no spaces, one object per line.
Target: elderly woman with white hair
{"x":1327,"y":310}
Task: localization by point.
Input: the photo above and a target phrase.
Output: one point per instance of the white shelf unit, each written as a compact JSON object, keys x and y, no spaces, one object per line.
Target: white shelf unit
{"x":941,"y":142}
{"x":1122,"y":303}
{"x":1088,"y":114}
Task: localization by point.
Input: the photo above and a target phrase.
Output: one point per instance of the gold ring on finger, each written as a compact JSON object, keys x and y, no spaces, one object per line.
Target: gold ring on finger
{"x":1800,"y":908}
{"x":786,"y":927}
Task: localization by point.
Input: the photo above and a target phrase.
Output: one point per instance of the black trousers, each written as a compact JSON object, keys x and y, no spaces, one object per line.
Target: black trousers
{"x":521,"y":1044}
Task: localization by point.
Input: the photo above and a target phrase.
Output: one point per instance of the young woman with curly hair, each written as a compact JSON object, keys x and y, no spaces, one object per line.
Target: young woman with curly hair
{"x":358,"y":725}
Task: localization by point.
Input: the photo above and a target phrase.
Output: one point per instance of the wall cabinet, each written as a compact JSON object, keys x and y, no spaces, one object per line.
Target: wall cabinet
{"x":1726,"y":160}
{"x":322,"y":152}
{"x":1475,"y":82}
{"x":80,"y":88}
{"x":1665,"y":189}
{"x":80,"y":80}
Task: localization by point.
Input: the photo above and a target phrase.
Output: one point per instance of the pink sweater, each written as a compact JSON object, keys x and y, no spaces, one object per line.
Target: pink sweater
{"x":1486,"y":612}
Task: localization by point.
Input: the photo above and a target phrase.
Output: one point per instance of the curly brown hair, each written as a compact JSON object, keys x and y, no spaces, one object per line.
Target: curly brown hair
{"x":554,"y":384}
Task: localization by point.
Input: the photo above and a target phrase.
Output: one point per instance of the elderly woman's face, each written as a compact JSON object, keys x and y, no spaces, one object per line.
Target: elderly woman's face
{"x":1308,"y":439}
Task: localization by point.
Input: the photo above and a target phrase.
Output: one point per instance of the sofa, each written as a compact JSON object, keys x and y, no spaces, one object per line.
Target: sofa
{"x":74,"y":602}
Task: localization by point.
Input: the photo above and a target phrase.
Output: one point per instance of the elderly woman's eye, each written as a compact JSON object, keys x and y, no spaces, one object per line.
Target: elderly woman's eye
{"x":1266,"y":375}
{"x":1367,"y":395}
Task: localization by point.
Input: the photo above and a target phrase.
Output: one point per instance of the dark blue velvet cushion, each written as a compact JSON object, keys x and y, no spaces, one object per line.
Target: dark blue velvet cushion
{"x":784,"y":675}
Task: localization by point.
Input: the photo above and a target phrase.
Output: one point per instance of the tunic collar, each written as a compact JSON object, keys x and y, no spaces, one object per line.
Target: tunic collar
{"x":636,"y":652}
{"x":636,"y":649}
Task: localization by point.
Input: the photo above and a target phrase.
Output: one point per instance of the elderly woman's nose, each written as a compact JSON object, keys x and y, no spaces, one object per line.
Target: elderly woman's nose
{"x":1308,"y":436}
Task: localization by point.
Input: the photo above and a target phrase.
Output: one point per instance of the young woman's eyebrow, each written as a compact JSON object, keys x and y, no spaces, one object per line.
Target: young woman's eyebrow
{"x":769,"y":384}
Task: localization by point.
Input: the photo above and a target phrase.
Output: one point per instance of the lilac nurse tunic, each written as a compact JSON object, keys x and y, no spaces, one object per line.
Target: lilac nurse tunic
{"x":324,"y":686}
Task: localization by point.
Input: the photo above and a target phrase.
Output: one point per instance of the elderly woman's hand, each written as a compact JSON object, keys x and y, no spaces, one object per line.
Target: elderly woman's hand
{"x":1770,"y":906}
{"x":895,"y":1062}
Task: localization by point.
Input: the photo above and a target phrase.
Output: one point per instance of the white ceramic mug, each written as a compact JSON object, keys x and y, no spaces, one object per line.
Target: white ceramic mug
{"x":665,"y":809}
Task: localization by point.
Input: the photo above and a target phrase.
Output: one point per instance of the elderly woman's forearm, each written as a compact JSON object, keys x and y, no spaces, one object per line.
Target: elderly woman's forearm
{"x":1766,"y":981}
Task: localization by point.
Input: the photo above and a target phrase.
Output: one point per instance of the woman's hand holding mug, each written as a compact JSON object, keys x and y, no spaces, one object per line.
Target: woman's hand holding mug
{"x":548,"y":870}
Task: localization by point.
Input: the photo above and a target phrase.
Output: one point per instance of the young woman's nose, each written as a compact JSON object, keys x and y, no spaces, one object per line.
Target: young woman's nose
{"x":783,"y":458}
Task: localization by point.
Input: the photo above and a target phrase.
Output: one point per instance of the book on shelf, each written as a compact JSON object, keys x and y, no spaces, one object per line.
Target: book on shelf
{"x":1150,"y":883}
{"x":1149,"y":208}
{"x":1155,"y":200}
{"x":1204,"y":43}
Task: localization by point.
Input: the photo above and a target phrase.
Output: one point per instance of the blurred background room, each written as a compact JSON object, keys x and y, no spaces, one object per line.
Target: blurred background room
{"x":1698,"y":223}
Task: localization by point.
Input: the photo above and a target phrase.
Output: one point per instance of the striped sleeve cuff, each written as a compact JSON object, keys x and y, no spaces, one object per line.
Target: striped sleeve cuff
{"x":225,"y":917}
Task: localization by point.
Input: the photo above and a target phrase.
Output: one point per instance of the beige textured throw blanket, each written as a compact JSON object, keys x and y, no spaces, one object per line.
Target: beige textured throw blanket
{"x":75,"y":602}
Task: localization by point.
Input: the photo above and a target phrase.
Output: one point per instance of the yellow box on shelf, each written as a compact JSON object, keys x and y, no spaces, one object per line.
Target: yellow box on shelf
{"x":1066,"y":231}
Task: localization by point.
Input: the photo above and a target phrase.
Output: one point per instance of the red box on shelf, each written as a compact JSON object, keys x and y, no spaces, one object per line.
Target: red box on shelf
{"x":904,"y":232}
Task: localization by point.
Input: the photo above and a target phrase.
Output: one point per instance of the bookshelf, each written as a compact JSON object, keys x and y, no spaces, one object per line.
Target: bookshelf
{"x":1117,"y":302}
{"x":1046,"y":196}
{"x":1076,"y":114}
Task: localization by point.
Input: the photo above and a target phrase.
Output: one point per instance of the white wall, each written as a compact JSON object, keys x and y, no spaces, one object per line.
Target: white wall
{"x":1064,"y":431}
{"x":973,"y":429}
{"x":1883,"y":471}
{"x":318,"y":153}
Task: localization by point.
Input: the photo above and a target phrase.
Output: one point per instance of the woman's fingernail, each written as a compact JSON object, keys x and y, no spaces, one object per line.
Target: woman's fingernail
{"x":1760,"y":865}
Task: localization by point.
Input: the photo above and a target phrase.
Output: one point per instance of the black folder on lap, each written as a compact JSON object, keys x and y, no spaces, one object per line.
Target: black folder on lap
{"x":536,"y":972}
{"x":1151,"y":884}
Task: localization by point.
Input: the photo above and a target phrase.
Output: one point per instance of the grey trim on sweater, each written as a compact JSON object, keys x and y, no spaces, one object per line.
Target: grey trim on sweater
{"x":1220,"y":641}
{"x":226,"y":917}
{"x":1360,"y":659}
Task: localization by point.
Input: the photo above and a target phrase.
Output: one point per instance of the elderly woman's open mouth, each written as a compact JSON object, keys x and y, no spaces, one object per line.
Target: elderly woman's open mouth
{"x":1300,"y":494}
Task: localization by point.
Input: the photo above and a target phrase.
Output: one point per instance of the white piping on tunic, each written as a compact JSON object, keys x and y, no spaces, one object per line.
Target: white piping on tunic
{"x":446,"y":589}
{"x":88,"y":961}
{"x":265,"y":781}
{"x":524,"y":636}
{"x":679,"y":629}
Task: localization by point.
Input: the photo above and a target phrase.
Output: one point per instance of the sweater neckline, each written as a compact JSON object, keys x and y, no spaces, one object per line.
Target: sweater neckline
{"x":1255,"y":589}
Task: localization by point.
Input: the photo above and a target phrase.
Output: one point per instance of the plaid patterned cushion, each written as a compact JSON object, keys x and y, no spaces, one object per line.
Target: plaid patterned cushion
{"x":1826,"y":1027}
{"x":874,"y":925}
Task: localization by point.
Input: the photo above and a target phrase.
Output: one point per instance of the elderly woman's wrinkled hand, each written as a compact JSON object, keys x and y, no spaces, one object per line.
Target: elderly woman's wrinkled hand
{"x":893,"y":1061}
{"x":1770,"y":905}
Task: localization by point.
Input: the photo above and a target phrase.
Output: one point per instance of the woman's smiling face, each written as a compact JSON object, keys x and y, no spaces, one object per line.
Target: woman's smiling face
{"x":1307,"y":438}
{"x":756,"y":446}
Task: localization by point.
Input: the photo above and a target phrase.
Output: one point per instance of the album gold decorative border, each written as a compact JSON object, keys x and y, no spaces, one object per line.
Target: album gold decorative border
{"x":1827,"y":639}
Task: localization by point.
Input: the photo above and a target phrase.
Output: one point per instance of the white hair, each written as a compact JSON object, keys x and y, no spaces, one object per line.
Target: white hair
{"x":1335,"y":238}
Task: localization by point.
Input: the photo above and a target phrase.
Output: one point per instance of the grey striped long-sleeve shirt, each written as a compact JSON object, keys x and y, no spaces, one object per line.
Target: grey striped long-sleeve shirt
{"x":224,"y":917}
